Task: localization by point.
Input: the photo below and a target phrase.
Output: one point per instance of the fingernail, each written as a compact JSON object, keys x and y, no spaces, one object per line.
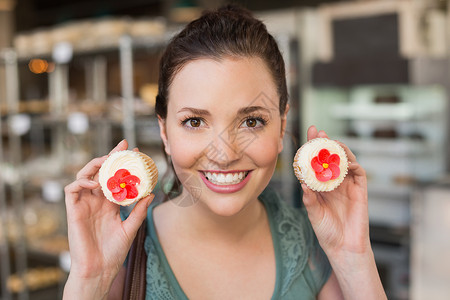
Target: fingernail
{"x":93,"y":182}
{"x":305,"y":188}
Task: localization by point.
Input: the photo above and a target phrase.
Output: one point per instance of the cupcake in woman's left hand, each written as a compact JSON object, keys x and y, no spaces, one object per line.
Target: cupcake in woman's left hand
{"x":127,"y":177}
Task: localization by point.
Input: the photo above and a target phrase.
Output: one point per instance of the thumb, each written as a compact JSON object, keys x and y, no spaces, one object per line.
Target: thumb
{"x":137,"y":216}
{"x":309,"y":197}
{"x":312,"y":203}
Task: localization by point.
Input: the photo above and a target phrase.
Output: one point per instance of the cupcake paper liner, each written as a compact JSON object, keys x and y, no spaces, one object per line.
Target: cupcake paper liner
{"x":306,"y":174}
{"x":138,"y":164}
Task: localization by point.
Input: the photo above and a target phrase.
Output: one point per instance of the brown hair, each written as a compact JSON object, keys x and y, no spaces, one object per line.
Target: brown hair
{"x":228,"y":31}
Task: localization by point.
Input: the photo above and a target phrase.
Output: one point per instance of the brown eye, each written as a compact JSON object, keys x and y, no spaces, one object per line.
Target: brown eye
{"x":194,"y":122}
{"x":251,"y":123}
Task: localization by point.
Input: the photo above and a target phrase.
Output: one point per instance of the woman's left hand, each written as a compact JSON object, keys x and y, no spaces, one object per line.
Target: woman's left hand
{"x":340,"y":220}
{"x":340,"y":217}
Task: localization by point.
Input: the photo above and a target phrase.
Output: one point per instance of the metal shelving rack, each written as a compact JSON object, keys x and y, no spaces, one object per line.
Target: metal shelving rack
{"x":4,"y":243}
{"x":58,"y":87}
{"x":12,"y":99}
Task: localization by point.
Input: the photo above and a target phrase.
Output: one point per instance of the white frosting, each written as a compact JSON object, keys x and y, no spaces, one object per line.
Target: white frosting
{"x":137,"y":164}
{"x":305,"y":173}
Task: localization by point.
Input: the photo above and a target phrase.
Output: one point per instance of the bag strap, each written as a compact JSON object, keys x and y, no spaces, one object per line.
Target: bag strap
{"x":135,"y":283}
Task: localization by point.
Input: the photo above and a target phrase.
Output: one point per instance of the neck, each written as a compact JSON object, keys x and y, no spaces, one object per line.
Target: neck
{"x":201,"y":222}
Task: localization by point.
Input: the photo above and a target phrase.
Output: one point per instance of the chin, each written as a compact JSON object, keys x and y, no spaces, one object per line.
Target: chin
{"x":226,"y":206}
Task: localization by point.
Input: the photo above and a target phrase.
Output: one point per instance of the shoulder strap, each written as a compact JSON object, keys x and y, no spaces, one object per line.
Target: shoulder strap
{"x":135,"y":284}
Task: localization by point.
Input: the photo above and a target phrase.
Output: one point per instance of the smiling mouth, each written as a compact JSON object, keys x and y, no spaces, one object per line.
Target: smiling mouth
{"x":230,"y":178}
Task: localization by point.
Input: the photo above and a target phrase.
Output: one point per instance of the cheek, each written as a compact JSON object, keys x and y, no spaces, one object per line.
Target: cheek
{"x":185,"y":150}
{"x":264,"y":150}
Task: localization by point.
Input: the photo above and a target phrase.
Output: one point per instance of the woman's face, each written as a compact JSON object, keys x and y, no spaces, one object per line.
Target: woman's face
{"x":223,"y":131}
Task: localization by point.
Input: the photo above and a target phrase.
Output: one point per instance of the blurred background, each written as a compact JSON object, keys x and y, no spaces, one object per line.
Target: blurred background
{"x":76,"y":77}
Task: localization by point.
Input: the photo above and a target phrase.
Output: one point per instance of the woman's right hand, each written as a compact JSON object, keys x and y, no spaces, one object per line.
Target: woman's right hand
{"x":98,"y":239}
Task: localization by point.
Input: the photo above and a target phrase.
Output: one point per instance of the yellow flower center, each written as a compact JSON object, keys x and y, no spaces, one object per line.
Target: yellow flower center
{"x":123,"y":185}
{"x":325,"y":165}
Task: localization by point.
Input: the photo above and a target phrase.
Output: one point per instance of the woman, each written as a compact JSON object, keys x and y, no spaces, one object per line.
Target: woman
{"x":222,"y":109}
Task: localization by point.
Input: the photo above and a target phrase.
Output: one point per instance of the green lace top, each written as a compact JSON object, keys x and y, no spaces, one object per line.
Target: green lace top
{"x":301,"y":266}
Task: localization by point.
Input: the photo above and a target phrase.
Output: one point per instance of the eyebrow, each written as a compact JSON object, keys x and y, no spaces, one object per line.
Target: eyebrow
{"x":242,"y":111}
{"x":250,"y":109}
{"x":195,"y":111}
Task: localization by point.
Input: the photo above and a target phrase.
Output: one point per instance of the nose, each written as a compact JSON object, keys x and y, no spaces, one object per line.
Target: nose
{"x":224,"y":149}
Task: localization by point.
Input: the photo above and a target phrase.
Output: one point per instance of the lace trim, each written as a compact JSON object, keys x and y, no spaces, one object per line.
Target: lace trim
{"x":157,"y":284}
{"x":294,"y":239}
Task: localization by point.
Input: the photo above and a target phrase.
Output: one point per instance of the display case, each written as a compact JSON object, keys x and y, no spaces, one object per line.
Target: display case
{"x":398,"y":134}
{"x":378,"y":81}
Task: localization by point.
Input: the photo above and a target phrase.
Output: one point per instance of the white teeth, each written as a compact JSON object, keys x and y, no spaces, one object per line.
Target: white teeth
{"x":229,"y":178}
{"x":221,"y":178}
{"x":225,"y":179}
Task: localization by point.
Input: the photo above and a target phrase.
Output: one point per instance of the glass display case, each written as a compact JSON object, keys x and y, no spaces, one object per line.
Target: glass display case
{"x":398,"y":134}
{"x":430,"y":263}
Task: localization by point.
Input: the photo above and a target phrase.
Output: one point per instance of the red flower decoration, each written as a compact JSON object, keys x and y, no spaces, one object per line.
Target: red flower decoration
{"x":123,"y":185}
{"x":326,"y":165}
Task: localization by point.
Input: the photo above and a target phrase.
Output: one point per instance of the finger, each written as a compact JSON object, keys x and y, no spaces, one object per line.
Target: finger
{"x":312,"y":132}
{"x":123,"y":145}
{"x":351,"y":157}
{"x":356,"y":169}
{"x":322,"y":134}
{"x":311,"y":202}
{"x":91,"y":168}
{"x":72,"y":190}
{"x":308,"y":195}
{"x":137,"y":216}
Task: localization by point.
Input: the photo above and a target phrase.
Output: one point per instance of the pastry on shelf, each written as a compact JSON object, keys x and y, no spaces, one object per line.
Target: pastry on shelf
{"x":53,"y":245}
{"x":108,"y":31}
{"x":36,"y":278}
{"x":147,"y":27}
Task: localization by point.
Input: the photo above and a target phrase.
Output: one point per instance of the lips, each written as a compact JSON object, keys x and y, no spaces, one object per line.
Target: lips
{"x":220,"y":178}
{"x":225,"y":182}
